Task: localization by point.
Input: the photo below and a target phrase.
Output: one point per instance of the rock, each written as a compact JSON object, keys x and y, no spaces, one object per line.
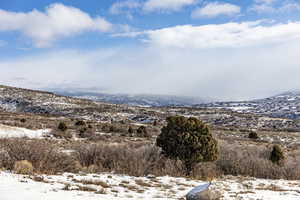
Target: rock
{"x":203,"y":192}
{"x":150,"y":176}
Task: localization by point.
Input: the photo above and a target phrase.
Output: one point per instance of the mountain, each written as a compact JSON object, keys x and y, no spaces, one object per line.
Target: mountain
{"x":284,"y":105}
{"x":133,"y":100}
{"x":84,"y":104}
{"x":246,"y":115}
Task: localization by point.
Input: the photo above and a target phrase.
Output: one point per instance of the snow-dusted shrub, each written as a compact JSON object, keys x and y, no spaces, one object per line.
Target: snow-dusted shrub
{"x":23,"y":167}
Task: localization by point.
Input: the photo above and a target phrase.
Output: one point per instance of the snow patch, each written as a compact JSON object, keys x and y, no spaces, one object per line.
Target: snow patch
{"x":16,"y":132}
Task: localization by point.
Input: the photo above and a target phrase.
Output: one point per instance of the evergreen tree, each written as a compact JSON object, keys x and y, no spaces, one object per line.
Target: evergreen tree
{"x":189,"y":140}
{"x":277,"y":155}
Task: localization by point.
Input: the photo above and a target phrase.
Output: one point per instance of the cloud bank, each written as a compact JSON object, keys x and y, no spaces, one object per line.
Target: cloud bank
{"x":223,"y":74}
{"x":230,"y":61}
{"x":228,"y":35}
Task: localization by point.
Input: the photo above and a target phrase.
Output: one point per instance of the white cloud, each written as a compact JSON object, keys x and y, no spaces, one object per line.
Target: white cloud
{"x":166,"y":5}
{"x":124,"y":7}
{"x":229,"y":35}
{"x":215,"y":9}
{"x":273,"y":7}
{"x":262,"y":8}
{"x":56,"y":22}
{"x":290,"y":6}
{"x":265,"y":1}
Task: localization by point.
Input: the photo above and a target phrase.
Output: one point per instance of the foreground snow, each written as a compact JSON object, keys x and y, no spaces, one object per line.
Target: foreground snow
{"x":13,"y":132}
{"x":112,"y":187}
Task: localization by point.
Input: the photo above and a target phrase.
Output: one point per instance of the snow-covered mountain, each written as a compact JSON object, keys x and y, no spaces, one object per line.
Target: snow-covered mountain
{"x":134,"y":100}
{"x":284,"y":105}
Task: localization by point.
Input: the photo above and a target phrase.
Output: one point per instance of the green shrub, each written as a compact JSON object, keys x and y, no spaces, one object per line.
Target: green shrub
{"x":189,"y":140}
{"x":130,"y":130}
{"x":277,"y":155}
{"x":62,"y":126}
{"x":112,"y":129}
{"x":80,"y":123}
{"x":253,"y":135}
{"x":82,"y":130}
{"x":142,"y":131}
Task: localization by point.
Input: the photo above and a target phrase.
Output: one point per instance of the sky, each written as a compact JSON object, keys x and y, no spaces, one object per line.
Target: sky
{"x":224,"y":50}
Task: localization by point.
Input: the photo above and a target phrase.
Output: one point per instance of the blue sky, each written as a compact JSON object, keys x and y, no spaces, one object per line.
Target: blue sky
{"x":179,"y":47}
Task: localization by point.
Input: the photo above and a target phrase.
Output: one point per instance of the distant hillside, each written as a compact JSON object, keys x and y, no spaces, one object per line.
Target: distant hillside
{"x":134,"y":100}
{"x":23,"y":101}
{"x":284,"y":105}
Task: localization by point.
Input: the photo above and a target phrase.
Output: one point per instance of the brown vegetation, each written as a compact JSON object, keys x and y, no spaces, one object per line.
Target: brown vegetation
{"x":136,"y":160}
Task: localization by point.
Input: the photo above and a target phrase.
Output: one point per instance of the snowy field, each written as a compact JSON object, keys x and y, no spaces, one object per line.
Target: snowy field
{"x":15,"y":132}
{"x":112,"y":187}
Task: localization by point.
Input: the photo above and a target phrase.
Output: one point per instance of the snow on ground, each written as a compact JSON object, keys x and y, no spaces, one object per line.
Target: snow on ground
{"x":13,"y":132}
{"x":92,"y":187}
{"x":242,"y":188}
{"x":240,"y":108}
{"x":112,"y":187}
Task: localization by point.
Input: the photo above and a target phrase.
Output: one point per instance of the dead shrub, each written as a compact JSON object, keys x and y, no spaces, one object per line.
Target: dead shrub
{"x":124,"y":159}
{"x":91,"y":169}
{"x":43,"y":155}
{"x":61,"y":134}
{"x":206,"y":171}
{"x":23,"y":167}
{"x":254,"y":161}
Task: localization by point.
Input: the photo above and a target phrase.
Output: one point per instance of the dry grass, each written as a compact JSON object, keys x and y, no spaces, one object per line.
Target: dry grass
{"x":44,"y":156}
{"x":142,"y":183}
{"x":125,"y":159}
{"x":254,"y":161}
{"x":136,"y":160}
{"x":23,"y":167}
{"x":93,"y":182}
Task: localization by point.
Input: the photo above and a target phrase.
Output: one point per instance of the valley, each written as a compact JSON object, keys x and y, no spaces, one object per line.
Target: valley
{"x":121,"y":133}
